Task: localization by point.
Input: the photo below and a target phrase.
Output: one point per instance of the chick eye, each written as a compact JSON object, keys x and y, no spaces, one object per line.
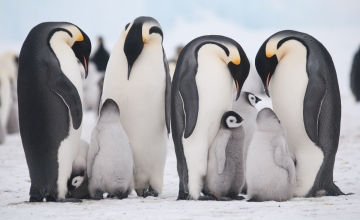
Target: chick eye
{"x":252,"y":98}
{"x":75,"y":181}
{"x":231,"y":120}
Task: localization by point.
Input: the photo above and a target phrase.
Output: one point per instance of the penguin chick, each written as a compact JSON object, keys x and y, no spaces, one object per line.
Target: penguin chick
{"x":270,"y":168}
{"x":110,"y":163}
{"x":225,"y":172}
{"x":245,"y":106}
{"x":78,"y":182}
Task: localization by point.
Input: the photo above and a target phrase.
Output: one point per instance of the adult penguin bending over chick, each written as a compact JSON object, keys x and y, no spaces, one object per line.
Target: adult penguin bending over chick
{"x":137,"y":79}
{"x":50,"y":109}
{"x":299,"y":75}
{"x":202,"y":91}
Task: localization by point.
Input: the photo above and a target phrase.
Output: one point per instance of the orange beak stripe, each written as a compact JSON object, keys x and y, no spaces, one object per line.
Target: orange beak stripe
{"x":267,"y":81}
{"x":86,"y":66}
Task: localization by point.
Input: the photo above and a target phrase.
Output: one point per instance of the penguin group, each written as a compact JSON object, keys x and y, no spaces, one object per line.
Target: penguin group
{"x":224,"y":146}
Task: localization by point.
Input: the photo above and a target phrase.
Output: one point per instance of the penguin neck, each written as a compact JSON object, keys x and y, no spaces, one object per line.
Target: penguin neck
{"x":290,"y":48}
{"x":213,"y":53}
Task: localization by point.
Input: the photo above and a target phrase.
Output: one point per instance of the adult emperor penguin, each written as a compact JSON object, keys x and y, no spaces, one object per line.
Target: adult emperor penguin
{"x":137,"y":79}
{"x":299,"y":75}
{"x":201,"y":93}
{"x":245,"y":106}
{"x":50,"y":109}
{"x":355,"y":76}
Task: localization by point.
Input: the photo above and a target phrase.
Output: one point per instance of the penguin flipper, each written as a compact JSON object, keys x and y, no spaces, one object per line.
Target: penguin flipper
{"x":167,"y":93}
{"x":190,"y":97}
{"x":220,"y":142}
{"x":62,"y":86}
{"x":283,"y":159}
{"x":314,"y":95}
{"x":93,"y":151}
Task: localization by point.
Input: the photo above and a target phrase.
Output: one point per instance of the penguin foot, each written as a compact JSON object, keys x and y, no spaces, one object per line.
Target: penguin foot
{"x":253,"y":199}
{"x":110,"y":196}
{"x":121,"y":195}
{"x":150,"y":193}
{"x":98,"y":195}
{"x":332,"y":190}
{"x":238,"y":198}
{"x":207,"y":198}
{"x":50,"y":199}
{"x":35,"y":199}
{"x":183,"y":195}
{"x":69,"y":200}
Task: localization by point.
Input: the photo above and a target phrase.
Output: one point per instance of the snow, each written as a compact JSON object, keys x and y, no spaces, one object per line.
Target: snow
{"x":341,"y":43}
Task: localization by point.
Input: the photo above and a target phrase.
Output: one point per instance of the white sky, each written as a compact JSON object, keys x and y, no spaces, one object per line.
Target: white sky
{"x":108,"y":17}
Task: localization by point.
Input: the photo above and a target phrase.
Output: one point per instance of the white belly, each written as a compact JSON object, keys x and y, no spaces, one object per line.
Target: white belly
{"x":287,"y":91}
{"x":215,"y":87}
{"x":141,"y":100}
{"x":68,"y":147}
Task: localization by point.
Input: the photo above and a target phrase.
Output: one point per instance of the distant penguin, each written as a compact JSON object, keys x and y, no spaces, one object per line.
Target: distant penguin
{"x":207,"y":70}
{"x":245,"y":106}
{"x":299,"y":75}
{"x":101,"y":56}
{"x":355,"y":76}
{"x":8,"y":93}
{"x":50,"y":105}
{"x":92,"y":89}
{"x":137,"y":79}
{"x":225,"y":174}
{"x":270,"y":168}
{"x":173,"y":61}
{"x":110,"y":163}
{"x":78,"y":182}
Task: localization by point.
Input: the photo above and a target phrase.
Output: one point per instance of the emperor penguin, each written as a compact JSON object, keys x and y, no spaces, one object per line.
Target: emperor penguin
{"x":270,"y":168}
{"x":78,"y":182}
{"x":245,"y":106}
{"x":355,"y":76}
{"x":207,"y":70}
{"x":300,"y":77}
{"x":50,"y":105}
{"x":225,"y":174}
{"x":110,"y":165}
{"x":137,"y":79}
{"x":8,"y":96}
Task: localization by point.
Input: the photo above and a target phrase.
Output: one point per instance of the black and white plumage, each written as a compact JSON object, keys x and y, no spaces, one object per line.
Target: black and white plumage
{"x":202,"y":90}
{"x":299,"y":75}
{"x":225,"y":174}
{"x":50,"y":105}
{"x":78,"y":182}
{"x":245,"y":106}
{"x":355,"y":76}
{"x":270,"y":168}
{"x":110,"y":165}
{"x":137,"y":79}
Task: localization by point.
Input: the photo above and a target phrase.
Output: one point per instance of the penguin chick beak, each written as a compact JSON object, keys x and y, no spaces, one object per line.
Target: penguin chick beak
{"x":257,"y":99}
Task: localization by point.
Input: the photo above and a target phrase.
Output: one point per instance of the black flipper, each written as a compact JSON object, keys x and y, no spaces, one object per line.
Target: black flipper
{"x":167,"y":93}
{"x":62,"y":86}
{"x":190,"y":96}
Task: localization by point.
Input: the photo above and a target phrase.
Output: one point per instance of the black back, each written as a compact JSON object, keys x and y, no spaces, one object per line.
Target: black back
{"x":43,"y":115}
{"x":355,"y":76}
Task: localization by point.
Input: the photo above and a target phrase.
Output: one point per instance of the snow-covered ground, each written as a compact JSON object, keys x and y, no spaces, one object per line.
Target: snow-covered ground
{"x":341,"y":43}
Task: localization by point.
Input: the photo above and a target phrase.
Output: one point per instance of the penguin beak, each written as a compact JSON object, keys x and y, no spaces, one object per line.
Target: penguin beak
{"x":82,"y":51}
{"x":267,"y":85}
{"x":257,"y":99}
{"x":239,"y":72}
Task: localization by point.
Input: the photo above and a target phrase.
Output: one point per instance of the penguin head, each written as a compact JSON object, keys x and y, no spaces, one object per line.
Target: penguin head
{"x":238,"y":64}
{"x":252,"y":99}
{"x":75,"y":181}
{"x":268,"y":121}
{"x":140,"y":32}
{"x":231,"y":120}
{"x":270,"y":54}
{"x":76,"y":39}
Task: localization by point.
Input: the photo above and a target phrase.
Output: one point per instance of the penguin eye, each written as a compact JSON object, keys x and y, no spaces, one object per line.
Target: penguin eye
{"x":231,"y":120}
{"x":75,"y":181}
{"x":252,"y":98}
